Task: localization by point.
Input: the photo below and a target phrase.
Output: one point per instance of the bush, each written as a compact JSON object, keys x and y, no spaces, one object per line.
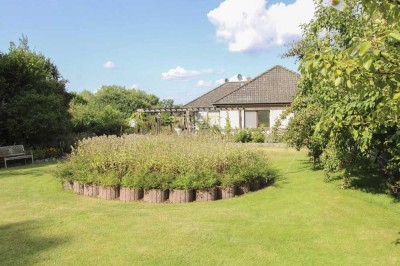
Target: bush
{"x":162,"y":162}
{"x":46,"y":152}
{"x":242,"y":136}
{"x":249,"y":135}
{"x":258,"y":136}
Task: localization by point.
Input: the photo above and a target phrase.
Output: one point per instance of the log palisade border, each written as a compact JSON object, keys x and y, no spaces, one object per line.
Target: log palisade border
{"x":164,"y":195}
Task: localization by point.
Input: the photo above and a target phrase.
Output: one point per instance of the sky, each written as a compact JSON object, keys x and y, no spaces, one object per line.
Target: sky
{"x":175,"y":49}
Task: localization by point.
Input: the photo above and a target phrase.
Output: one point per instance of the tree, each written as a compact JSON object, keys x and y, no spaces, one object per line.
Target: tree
{"x":350,"y":65}
{"x":124,"y":100}
{"x":109,"y":110}
{"x":33,"y":99}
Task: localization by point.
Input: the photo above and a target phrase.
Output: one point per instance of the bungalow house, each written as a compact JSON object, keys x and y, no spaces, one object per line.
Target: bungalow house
{"x":247,"y":104}
{"x":250,"y":103}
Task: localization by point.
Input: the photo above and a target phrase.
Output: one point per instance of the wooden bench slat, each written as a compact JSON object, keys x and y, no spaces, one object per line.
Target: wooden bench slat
{"x":8,"y":153}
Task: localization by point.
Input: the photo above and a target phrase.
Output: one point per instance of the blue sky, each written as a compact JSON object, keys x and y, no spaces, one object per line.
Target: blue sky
{"x":141,"y":43}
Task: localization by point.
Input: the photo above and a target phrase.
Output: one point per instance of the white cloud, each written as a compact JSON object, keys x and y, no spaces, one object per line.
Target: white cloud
{"x":179,"y":73}
{"x":248,"y":26}
{"x":208,"y":83}
{"x":109,"y":65}
{"x":135,"y":86}
{"x":204,"y":84}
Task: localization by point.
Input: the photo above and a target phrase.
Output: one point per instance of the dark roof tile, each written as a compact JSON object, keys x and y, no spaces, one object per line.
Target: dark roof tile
{"x":207,"y":100}
{"x":276,"y":85}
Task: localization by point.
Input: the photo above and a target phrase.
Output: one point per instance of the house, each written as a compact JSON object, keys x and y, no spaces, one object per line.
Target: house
{"x":248,"y":104}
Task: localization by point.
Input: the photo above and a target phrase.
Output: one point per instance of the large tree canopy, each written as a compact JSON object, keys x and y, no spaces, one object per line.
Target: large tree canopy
{"x":347,"y":107}
{"x":33,"y":100}
{"x":108,"y":110}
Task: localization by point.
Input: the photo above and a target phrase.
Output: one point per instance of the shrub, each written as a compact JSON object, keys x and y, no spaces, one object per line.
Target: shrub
{"x":46,"y":152}
{"x":162,"y":162}
{"x":258,"y":136}
{"x":132,"y":179}
{"x":205,"y":179}
{"x":107,"y":179}
{"x":242,"y":136}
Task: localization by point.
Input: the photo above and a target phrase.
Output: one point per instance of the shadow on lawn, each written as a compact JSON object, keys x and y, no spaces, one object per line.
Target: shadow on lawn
{"x":369,"y":180}
{"x":32,"y":170}
{"x":21,"y":243}
{"x":397,"y":241}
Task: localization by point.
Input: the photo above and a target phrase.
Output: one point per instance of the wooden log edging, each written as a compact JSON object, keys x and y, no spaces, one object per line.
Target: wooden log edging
{"x":226,"y":192}
{"x":90,"y":190}
{"x":206,"y":194}
{"x":181,"y":195}
{"x":77,"y":187}
{"x":130,"y":194}
{"x":68,"y":185}
{"x":155,"y":195}
{"x":108,"y":193}
{"x":243,"y":188}
{"x":165,"y":195}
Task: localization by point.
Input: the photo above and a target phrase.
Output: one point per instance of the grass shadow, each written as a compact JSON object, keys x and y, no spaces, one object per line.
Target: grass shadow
{"x":31,"y":170}
{"x":370,"y":180}
{"x":21,"y":243}
{"x":309,"y":165}
{"x":278,"y":178}
{"x":397,"y":241}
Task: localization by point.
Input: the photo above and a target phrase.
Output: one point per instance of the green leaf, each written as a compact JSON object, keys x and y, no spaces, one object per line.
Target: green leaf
{"x":396,"y":96}
{"x":338,"y":81}
{"x":364,"y":47}
{"x":349,"y":84}
{"x":367,"y":64}
{"x":354,"y":132}
{"x":395,"y":35}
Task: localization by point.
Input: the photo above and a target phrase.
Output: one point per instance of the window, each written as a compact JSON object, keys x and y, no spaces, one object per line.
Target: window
{"x":263,"y":118}
{"x":254,"y":119}
{"x":250,"y":119}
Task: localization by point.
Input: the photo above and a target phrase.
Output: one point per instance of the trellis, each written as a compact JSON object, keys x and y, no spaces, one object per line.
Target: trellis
{"x":186,"y":113}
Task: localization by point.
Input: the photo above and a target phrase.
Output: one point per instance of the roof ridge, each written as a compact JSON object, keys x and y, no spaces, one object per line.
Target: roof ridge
{"x":265,"y":72}
{"x":210,"y":91}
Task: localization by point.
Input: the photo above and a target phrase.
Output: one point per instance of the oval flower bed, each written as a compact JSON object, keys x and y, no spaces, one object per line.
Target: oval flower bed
{"x":158,"y":168}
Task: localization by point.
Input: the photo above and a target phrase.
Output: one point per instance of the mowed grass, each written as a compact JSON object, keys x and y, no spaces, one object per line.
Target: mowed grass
{"x":300,"y":220}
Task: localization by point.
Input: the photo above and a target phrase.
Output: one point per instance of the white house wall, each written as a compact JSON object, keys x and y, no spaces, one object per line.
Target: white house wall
{"x":219,"y":118}
{"x":233,"y":118}
{"x":274,"y":116}
{"x":212,"y":117}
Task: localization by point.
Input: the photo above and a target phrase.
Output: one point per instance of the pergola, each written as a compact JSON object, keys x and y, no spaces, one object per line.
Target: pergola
{"x":186,"y":112}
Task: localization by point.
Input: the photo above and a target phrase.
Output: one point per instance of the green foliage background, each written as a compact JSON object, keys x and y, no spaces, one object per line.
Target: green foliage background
{"x":347,"y":107}
{"x":33,"y":100}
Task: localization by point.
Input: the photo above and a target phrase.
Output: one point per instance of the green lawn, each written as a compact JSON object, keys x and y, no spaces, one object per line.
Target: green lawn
{"x":300,"y":220}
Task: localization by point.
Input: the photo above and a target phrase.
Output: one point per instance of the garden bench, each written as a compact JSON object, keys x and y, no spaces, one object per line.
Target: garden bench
{"x":17,"y":152}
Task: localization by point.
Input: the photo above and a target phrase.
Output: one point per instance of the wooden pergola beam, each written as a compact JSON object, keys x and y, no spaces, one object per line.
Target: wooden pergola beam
{"x":184,"y":110}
